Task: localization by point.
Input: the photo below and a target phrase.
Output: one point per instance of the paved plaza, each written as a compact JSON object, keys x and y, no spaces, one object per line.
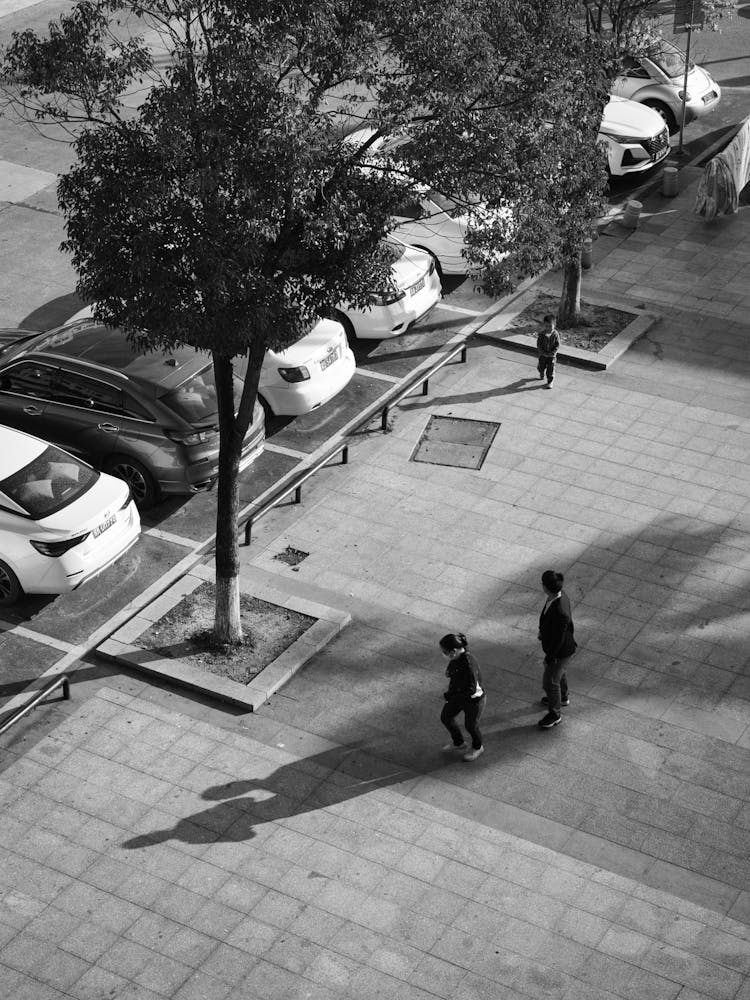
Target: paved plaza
{"x":157,"y":846}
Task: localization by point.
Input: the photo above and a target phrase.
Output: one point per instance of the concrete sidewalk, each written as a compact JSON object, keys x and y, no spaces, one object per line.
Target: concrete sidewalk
{"x":156,"y":847}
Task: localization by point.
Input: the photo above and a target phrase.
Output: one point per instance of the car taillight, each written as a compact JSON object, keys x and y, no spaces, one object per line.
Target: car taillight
{"x":58,"y":548}
{"x":188,"y":438}
{"x":128,"y":500}
{"x":299,"y":374}
{"x":431,"y":269}
{"x":388,"y":298}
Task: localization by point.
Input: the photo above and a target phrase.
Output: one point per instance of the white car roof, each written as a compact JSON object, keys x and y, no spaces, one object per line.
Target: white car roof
{"x":17,"y":450}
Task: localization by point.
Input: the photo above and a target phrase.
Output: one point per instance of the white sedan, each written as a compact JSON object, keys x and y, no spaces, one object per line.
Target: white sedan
{"x":302,"y":377}
{"x":415,"y":290}
{"x":61,"y":522}
{"x":635,"y":137}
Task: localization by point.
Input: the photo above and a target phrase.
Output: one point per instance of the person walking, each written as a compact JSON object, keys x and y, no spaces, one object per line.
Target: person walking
{"x":547,"y":346}
{"x":556,"y":632}
{"x":465,"y":694}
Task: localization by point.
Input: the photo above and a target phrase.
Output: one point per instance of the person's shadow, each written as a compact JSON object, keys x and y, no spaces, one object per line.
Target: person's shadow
{"x":301,"y":786}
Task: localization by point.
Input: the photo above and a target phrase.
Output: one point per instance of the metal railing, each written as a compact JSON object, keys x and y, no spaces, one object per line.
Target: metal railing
{"x":421,"y":377}
{"x":293,"y":486}
{"x":41,"y":695}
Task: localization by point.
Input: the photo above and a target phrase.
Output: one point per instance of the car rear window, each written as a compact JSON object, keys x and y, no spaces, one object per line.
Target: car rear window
{"x":195,"y":400}
{"x":671,"y":62}
{"x":48,"y":483}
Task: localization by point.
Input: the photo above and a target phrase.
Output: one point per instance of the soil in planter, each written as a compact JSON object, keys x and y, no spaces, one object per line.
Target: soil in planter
{"x":600,"y":323}
{"x":186,"y":633}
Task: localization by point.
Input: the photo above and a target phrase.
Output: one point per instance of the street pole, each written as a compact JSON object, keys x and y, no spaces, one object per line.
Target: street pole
{"x":685,"y":83}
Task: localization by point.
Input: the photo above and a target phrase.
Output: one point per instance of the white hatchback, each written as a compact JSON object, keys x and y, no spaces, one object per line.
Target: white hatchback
{"x":658,"y":81}
{"x":635,"y":137}
{"x":61,"y":521}
{"x":416,"y":289}
{"x":302,"y":377}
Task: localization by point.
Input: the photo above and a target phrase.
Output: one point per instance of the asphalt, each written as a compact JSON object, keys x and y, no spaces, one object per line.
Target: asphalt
{"x":156,"y":845}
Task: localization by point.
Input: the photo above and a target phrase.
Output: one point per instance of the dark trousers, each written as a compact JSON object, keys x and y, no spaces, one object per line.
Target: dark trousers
{"x":546,"y":367}
{"x":472,"y":709}
{"x":555,"y":683}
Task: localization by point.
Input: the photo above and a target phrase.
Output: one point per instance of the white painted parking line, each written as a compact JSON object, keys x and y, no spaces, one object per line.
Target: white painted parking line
{"x":279,"y":449}
{"x":26,"y":633}
{"x":167,"y":536}
{"x":459,"y":309}
{"x":379,"y":375}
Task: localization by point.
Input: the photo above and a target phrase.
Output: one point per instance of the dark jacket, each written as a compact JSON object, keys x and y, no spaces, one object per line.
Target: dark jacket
{"x":548,"y":343}
{"x":556,"y":629}
{"x":463,"y":675}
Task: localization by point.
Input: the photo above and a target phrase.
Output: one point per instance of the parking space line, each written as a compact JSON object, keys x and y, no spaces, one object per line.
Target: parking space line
{"x":377,"y":375}
{"x":281,"y":450}
{"x":459,"y":309}
{"x":41,"y":637}
{"x":167,"y":536}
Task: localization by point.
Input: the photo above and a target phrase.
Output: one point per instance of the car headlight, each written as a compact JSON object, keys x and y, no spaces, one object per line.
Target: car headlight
{"x":388,"y":298}
{"x":299,"y":374}
{"x":54,"y":549}
{"x":626,"y":140}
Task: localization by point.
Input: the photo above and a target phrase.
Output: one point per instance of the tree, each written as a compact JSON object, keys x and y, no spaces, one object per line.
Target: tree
{"x":221,"y":212}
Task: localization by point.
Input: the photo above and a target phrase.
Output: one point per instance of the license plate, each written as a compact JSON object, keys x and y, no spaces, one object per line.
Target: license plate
{"x":417,"y":288}
{"x":329,"y":359}
{"x":103,"y":527}
{"x":709,"y":96}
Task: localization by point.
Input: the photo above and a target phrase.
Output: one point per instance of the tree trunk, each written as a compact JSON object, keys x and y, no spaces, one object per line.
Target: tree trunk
{"x":227,"y":624}
{"x":569,"y":309}
{"x":232,"y":431}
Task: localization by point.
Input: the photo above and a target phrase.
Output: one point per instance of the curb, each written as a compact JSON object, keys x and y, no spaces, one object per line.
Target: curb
{"x":495,"y":330}
{"x":122,"y":647}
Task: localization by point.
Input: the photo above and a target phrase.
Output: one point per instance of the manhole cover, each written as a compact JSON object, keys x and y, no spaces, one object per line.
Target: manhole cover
{"x":455,"y":441}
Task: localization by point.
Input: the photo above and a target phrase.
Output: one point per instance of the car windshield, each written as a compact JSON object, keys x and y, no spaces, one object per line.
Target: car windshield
{"x":195,"y":400}
{"x":48,"y":483}
{"x":670,"y":61}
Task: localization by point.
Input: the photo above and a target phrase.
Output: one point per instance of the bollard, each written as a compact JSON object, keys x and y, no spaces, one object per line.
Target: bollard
{"x":669,"y":182}
{"x":586,"y":255}
{"x":632,"y":213}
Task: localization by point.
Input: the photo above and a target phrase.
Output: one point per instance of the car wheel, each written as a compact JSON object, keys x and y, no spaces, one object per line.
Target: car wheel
{"x":351,"y":333}
{"x":438,"y":268}
{"x":10,"y":588}
{"x":665,"y":112}
{"x":139,"y":479}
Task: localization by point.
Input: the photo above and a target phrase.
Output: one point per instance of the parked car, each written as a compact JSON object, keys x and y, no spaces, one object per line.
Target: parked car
{"x":658,"y":80}
{"x":302,"y":377}
{"x":416,"y":289}
{"x":61,"y":521}
{"x":150,"y":419}
{"x":635,"y":137}
{"x":425,"y":219}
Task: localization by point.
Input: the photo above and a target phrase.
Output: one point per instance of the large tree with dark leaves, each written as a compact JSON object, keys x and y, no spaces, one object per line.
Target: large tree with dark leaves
{"x":213,"y":205}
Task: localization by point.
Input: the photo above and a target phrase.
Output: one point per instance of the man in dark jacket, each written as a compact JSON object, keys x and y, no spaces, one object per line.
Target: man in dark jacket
{"x":556,"y":635}
{"x":547,"y":346}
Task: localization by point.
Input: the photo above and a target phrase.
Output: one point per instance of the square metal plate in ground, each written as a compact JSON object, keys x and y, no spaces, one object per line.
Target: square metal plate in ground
{"x":455,"y":441}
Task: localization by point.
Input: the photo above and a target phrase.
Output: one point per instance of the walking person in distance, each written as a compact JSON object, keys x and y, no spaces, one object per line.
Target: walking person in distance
{"x":558,"y":643}
{"x":465,"y":694}
{"x":547,"y":346}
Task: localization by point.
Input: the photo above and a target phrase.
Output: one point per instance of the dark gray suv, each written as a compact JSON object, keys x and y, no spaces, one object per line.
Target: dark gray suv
{"x":150,"y":419}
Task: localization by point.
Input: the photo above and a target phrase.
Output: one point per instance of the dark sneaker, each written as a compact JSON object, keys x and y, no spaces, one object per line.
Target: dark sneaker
{"x":563,"y":701}
{"x":549,"y":721}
